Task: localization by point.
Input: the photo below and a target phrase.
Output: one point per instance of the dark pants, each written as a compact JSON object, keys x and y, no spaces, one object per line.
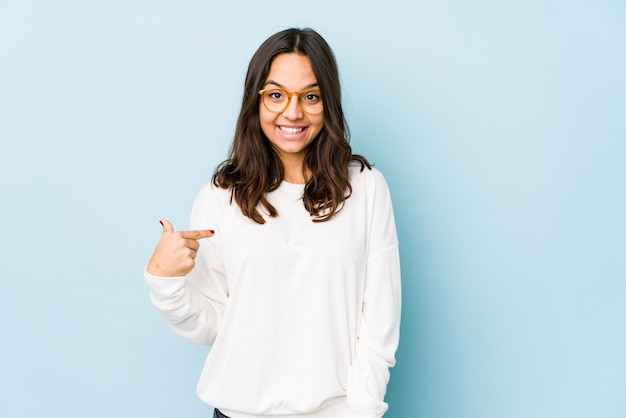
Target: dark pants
{"x":218,"y":414}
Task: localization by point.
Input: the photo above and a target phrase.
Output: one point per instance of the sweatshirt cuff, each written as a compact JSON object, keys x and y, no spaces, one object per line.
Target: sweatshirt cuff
{"x":376,"y":411}
{"x":163,"y":285}
{"x":366,"y":413}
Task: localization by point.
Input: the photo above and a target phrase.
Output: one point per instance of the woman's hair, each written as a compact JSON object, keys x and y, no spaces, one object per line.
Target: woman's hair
{"x":254,"y":168}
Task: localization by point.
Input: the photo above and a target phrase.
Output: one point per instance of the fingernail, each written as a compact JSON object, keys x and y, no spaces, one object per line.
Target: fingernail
{"x":161,"y":222}
{"x":211,"y":231}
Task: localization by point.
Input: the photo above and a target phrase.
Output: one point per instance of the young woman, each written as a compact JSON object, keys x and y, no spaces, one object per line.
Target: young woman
{"x":291,"y":269}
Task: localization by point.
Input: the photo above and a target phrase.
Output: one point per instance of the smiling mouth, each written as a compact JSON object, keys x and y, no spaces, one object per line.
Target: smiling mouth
{"x":289,"y":130}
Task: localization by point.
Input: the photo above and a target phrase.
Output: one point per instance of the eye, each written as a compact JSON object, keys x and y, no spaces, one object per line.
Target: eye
{"x":312,"y":97}
{"x":275,"y":95}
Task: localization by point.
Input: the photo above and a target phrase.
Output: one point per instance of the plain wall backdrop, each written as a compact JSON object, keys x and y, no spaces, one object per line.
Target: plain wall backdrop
{"x":499,"y":125}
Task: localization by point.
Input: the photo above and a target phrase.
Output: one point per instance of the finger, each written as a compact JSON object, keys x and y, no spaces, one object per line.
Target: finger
{"x":192,"y":244}
{"x":168,"y":228}
{"x":197,"y":234}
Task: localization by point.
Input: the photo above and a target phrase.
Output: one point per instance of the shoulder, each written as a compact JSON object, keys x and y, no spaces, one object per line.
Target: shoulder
{"x":210,"y":201}
{"x":366,"y":177}
{"x":212,"y":193}
{"x":371,"y":195}
{"x":369,"y":187}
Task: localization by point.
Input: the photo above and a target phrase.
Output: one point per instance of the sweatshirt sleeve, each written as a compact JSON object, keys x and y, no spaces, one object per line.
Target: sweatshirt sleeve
{"x":194,"y":305}
{"x":379,"y":329}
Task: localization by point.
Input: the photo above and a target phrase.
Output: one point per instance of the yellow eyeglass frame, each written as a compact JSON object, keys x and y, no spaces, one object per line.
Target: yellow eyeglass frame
{"x":289,"y":95}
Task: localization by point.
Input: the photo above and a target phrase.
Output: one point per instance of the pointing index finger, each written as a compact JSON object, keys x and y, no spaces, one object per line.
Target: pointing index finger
{"x":197,"y":234}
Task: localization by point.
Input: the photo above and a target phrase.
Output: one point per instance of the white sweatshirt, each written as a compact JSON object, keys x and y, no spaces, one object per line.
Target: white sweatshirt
{"x":303,"y":317}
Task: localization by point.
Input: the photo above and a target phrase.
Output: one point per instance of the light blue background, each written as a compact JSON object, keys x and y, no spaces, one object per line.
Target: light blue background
{"x":500,"y":127}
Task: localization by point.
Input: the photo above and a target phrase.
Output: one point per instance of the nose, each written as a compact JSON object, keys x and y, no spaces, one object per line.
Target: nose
{"x":293,"y":111}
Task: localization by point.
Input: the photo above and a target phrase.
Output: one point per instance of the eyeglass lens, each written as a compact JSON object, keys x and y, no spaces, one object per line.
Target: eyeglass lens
{"x":277,"y":100}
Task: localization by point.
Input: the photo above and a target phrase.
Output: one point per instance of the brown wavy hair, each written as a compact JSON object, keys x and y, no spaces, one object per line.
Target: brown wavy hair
{"x":254,"y":168}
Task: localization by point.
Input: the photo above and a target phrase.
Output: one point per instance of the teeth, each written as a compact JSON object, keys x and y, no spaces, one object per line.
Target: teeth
{"x":291,"y":130}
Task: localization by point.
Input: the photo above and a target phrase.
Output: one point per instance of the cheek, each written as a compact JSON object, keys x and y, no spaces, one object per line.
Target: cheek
{"x":266,"y":119}
{"x":318,"y":122}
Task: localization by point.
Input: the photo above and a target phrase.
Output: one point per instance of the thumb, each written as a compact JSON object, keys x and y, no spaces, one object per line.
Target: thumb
{"x":168,"y":228}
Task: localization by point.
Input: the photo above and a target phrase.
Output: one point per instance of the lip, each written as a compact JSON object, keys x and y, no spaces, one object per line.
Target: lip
{"x":292,"y":135}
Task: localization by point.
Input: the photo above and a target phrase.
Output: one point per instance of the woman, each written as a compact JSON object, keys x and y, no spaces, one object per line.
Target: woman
{"x":297,"y":287}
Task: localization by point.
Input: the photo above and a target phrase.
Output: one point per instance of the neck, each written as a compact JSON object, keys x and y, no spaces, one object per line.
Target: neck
{"x":296,"y":177}
{"x":294,"y":171}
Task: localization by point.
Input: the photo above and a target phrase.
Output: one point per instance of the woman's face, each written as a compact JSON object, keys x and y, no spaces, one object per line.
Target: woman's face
{"x":292,"y":130}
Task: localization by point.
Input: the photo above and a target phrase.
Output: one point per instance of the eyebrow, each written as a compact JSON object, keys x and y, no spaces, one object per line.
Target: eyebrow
{"x":279,"y":85}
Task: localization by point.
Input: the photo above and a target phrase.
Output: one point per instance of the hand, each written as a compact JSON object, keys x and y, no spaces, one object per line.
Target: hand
{"x":175,"y":254}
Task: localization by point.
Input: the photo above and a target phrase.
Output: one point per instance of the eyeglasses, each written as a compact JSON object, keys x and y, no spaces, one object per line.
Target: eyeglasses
{"x":276,"y":100}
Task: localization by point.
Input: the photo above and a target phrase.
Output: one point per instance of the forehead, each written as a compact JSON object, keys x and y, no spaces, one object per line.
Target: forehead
{"x":292,"y":71}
